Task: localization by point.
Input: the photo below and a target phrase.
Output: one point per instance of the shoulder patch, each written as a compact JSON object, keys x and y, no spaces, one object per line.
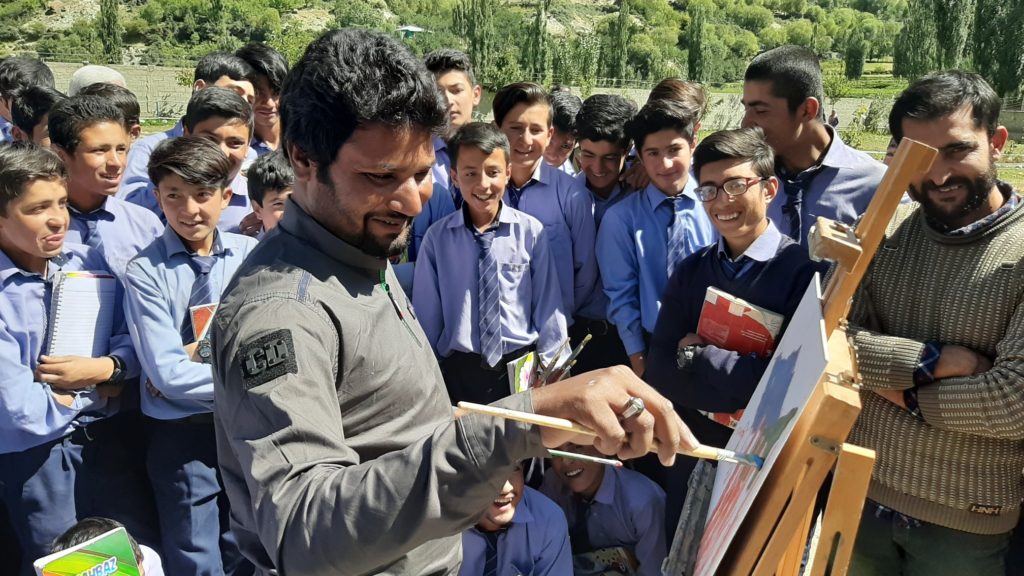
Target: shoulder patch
{"x":267,"y":358}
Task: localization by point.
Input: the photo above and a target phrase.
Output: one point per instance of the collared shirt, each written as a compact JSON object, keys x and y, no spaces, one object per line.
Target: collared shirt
{"x":442,"y":168}
{"x":632,"y":249}
{"x":601,"y":205}
{"x":5,"y":131}
{"x":258,"y":147}
{"x":126,"y":229}
{"x":30,"y":414}
{"x":446,"y":287}
{"x":568,"y":167}
{"x":159,"y":284}
{"x":349,"y":436}
{"x":762,"y":249}
{"x":596,"y":306}
{"x":536,"y":543}
{"x":628,"y":510}
{"x":841,"y":187}
{"x":564,"y":208}
{"x":443,"y":201}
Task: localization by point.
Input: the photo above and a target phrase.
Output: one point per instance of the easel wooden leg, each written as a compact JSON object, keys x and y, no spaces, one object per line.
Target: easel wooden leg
{"x":790,"y":565}
{"x":842,"y":514}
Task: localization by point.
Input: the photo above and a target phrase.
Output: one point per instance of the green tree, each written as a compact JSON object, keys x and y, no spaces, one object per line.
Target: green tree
{"x":998,"y":54}
{"x":855,"y":55}
{"x":698,"y":47}
{"x":358,"y":13}
{"x":953,"y":22}
{"x":915,"y":47}
{"x":616,"y":49}
{"x":536,"y":58}
{"x":110,"y":31}
{"x":799,"y":32}
{"x":474,"y":21}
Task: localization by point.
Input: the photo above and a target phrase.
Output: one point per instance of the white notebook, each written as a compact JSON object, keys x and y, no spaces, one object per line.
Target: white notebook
{"x":81,"y":314}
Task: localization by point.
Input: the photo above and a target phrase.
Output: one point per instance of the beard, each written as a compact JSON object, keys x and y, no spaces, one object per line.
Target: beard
{"x":331,"y":208}
{"x":382,"y":247}
{"x":950,"y":217}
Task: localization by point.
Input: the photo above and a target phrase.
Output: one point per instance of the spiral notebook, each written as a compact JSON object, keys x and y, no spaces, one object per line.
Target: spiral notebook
{"x":81,"y":314}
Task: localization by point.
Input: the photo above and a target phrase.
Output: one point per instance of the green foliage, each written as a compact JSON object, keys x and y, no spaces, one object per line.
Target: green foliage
{"x":110,"y":31}
{"x":916,"y":50}
{"x":836,"y":85}
{"x":799,"y":32}
{"x":574,"y":62}
{"x":698,"y":48}
{"x":360,"y":14}
{"x":855,"y":54}
{"x":953,"y":22}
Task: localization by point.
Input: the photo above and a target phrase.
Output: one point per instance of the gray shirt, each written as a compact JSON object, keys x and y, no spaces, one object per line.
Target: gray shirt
{"x":335,"y":435}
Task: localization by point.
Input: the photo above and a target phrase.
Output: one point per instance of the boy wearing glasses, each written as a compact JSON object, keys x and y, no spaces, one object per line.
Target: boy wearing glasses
{"x":752,"y":260}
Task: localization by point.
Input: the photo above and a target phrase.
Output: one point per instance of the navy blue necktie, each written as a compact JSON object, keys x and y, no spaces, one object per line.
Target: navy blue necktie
{"x":794,"y":190}
{"x":490,"y":300}
{"x":676,"y":235}
{"x":579,"y":532}
{"x":92,"y":238}
{"x":491,"y":555}
{"x":202,"y":292}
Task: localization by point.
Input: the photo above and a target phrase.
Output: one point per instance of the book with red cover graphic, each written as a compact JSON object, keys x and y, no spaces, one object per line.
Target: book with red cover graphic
{"x":731,"y":323}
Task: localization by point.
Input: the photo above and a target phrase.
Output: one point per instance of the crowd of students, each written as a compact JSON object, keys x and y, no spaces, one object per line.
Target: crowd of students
{"x":560,"y":221}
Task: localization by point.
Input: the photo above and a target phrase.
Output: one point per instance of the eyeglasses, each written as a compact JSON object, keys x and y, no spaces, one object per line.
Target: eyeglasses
{"x":732,"y":188}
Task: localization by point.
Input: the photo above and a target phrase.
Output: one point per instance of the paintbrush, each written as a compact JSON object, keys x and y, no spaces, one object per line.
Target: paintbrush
{"x":701,"y":451}
{"x":584,"y":457}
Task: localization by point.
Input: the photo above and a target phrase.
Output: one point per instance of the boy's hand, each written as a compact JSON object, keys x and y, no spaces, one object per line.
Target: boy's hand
{"x":250,"y":225}
{"x":635,"y":177}
{"x":74,"y":372}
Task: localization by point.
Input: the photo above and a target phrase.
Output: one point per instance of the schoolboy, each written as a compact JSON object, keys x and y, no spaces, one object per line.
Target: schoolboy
{"x":215,"y":69}
{"x":270,"y":69}
{"x":609,"y":508}
{"x":477,"y":318}
{"x":89,"y":135}
{"x":270,"y":184}
{"x":184,"y":268}
{"x":604,"y":145}
{"x":565,"y":105}
{"x":523,"y":112}
{"x":521,"y":532}
{"x":644,"y":237}
{"x":753,"y":261}
{"x":30,"y":111}
{"x":16,"y":74}
{"x":58,"y":438}
{"x":124,"y":99}
{"x":86,"y":529}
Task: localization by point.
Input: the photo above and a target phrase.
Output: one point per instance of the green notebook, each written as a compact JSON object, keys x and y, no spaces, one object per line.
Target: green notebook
{"x":107,"y":555}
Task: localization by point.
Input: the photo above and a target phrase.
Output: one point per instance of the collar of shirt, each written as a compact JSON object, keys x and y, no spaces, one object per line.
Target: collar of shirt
{"x":259,"y":146}
{"x":9,"y":269}
{"x":100,"y":213}
{"x":655,"y":196}
{"x":606,"y":492}
{"x":439,"y":144}
{"x":301,"y":225}
{"x":522,"y":514}
{"x":177,"y":130}
{"x":504,"y":217}
{"x":173,"y":244}
{"x":1012,"y":200}
{"x":617,"y":191}
{"x":539,"y":175}
{"x":837,"y":155}
{"x":762,"y":249}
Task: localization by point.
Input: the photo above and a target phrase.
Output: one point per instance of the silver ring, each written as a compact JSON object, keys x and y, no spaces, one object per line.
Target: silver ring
{"x":634,"y":407}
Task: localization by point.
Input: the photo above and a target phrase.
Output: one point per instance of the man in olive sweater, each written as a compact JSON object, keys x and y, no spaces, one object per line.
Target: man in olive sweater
{"x":938,"y":323}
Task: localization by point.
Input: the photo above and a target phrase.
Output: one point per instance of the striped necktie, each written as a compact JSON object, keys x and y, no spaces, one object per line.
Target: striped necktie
{"x":676,"y":235}
{"x":202,"y":292}
{"x":491,"y":555}
{"x":490,"y":300}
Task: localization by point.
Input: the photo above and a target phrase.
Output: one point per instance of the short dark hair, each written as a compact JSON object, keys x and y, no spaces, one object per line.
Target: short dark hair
{"x":31,"y":105}
{"x":520,"y":93}
{"x":269,"y":173}
{"x":942,"y":93}
{"x":565,"y":105}
{"x":746,"y":144}
{"x":687,"y":93}
{"x":119,"y":96}
{"x":603,"y":117}
{"x":266,"y":62}
{"x":216,"y":102}
{"x":446,"y":60}
{"x":658,"y":115}
{"x":794,"y":73}
{"x":211,"y":67}
{"x":69,"y":117}
{"x":90,"y":528}
{"x":355,"y":77}
{"x":483,"y":136}
{"x":20,"y":72}
{"x":22,"y":163}
{"x":197,"y":160}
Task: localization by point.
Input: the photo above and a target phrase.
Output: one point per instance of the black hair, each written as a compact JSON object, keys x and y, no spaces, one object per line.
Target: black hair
{"x":266,"y":62}
{"x":90,"y":528}
{"x":565,"y":106}
{"x":197,"y":160}
{"x":22,"y":163}
{"x":519,"y":93}
{"x":446,"y":60}
{"x":20,"y":72}
{"x":658,"y":115}
{"x":794,"y":73}
{"x":603,"y":117}
{"x":69,"y":117}
{"x":483,"y":136}
{"x":355,"y":77}
{"x":269,"y":173}
{"x":119,"y":96}
{"x":211,"y":67}
{"x":746,"y":144}
{"x":216,"y":102}
{"x":31,"y":105}
{"x":943,"y":93}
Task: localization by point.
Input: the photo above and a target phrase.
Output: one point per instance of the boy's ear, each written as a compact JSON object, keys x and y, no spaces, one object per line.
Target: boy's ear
{"x":18,"y":134}
{"x":477,"y":91}
{"x":198,"y":85}
{"x":135,"y":132}
{"x":226,"y":198}
{"x":303,"y":166}
{"x":64,"y":155}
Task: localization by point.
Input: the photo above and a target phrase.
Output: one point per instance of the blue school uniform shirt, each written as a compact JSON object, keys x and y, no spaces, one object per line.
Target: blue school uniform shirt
{"x":29,"y":414}
{"x":564,"y":208}
{"x":596,"y":306}
{"x":839,"y":188}
{"x":124,"y":228}
{"x":445,"y":292}
{"x":5,"y":131}
{"x":258,"y":148}
{"x":632,"y":249}
{"x":628,"y":510}
{"x":158,"y":286}
{"x":536,"y":542}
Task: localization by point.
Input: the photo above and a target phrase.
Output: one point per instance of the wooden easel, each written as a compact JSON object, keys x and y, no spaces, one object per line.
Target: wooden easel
{"x":774,"y":533}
